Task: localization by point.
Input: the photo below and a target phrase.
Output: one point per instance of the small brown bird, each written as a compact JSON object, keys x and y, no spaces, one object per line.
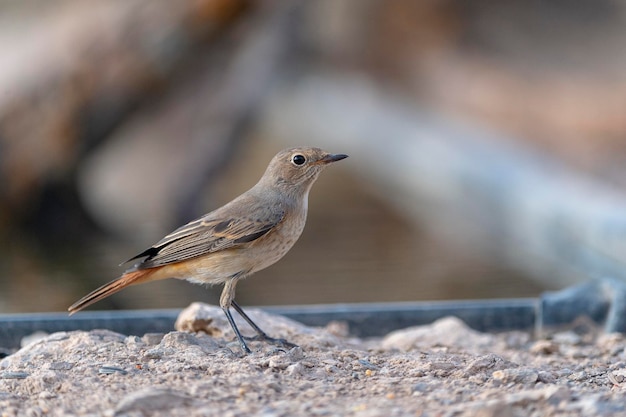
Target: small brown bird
{"x":246,"y":235}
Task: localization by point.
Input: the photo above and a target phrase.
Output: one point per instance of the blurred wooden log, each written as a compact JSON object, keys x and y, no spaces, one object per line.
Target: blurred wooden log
{"x":168,"y":154}
{"x":464,"y":184}
{"x":71,"y":74}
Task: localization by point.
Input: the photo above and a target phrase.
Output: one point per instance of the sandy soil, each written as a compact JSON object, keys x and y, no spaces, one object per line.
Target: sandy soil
{"x":443,"y":369}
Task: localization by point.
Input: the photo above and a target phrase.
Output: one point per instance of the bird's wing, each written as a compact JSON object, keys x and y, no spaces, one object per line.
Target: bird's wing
{"x":206,"y":235}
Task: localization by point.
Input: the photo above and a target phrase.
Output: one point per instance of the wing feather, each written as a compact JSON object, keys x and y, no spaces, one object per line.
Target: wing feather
{"x":206,"y":235}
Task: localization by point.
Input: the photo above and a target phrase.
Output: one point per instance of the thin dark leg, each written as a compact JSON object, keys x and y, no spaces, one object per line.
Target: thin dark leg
{"x":261,"y":335}
{"x":242,"y":342}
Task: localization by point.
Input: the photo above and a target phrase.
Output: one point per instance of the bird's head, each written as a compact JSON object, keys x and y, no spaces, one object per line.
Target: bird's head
{"x":297,"y":168}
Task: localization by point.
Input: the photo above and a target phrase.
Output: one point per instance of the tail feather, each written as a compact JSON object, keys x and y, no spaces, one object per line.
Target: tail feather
{"x":129,"y":278}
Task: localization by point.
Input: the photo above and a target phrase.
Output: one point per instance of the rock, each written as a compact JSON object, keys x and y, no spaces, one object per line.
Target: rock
{"x":33,"y":338}
{"x":516,"y":375}
{"x":208,"y":319}
{"x":447,"y":331}
{"x":153,"y":399}
{"x":545,"y":347}
{"x":489,"y":362}
{"x":200,"y":317}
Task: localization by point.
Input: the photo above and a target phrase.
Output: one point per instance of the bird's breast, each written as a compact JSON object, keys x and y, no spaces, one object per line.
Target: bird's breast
{"x":275,"y":244}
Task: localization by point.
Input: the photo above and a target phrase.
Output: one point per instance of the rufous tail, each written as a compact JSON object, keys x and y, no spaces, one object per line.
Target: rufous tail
{"x":129,"y":278}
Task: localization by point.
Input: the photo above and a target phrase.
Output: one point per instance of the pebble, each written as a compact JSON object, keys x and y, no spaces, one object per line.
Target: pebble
{"x":421,"y":387}
{"x":544,"y":347}
{"x":295,"y":369}
{"x":295,"y":353}
{"x":156,"y":353}
{"x":546,"y":377}
{"x":278,"y":362}
{"x":108,"y":370}
{"x":33,"y":338}
{"x":14,"y":375}
{"x":567,"y":338}
{"x":60,"y":366}
{"x":368,"y":365}
{"x":578,"y":376}
{"x":46,"y":395}
{"x":517,"y":375}
{"x":152,"y":338}
{"x":617,"y":377}
{"x":152,"y":399}
{"x":486,"y":362}
{"x":134,"y":341}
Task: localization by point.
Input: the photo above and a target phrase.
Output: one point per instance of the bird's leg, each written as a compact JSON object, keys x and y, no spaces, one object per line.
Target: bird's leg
{"x":242,"y":342}
{"x":261,"y":335}
{"x":226,"y":300}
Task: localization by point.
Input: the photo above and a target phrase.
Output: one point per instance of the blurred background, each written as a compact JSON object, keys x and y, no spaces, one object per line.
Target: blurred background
{"x":487,"y":142}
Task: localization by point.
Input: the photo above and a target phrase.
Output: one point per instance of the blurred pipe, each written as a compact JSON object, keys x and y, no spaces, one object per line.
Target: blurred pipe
{"x":552,"y":311}
{"x":468,"y":186}
{"x":364,"y":320}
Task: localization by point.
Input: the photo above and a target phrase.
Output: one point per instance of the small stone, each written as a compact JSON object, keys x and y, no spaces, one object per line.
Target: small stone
{"x":578,"y":376}
{"x":516,"y":375}
{"x":134,"y":341}
{"x":60,"y":366}
{"x":108,"y":370}
{"x":296,"y":353}
{"x":610,"y":339}
{"x":544,"y":347}
{"x":368,"y":365}
{"x":277,"y":362}
{"x":153,"y":399}
{"x":442,"y":366}
{"x":295,"y":369}
{"x":14,"y":375}
{"x":617,"y":377}
{"x":567,"y":338}
{"x":421,"y":387}
{"x":179,"y":340}
{"x":58,"y":336}
{"x":486,"y":363}
{"x":33,"y":338}
{"x":46,"y":395}
{"x":338,"y":328}
{"x":152,"y":338}
{"x":447,"y":331}
{"x":199,"y":317}
{"x":546,"y":377}
{"x":156,"y":353}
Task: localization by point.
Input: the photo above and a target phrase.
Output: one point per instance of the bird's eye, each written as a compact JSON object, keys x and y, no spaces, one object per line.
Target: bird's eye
{"x":298,"y":159}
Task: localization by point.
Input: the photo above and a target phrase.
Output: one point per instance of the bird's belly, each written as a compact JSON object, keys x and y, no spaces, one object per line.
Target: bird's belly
{"x":214,"y":268}
{"x":217,"y":267}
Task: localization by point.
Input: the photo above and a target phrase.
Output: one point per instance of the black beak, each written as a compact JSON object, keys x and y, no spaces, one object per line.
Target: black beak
{"x":332,"y":158}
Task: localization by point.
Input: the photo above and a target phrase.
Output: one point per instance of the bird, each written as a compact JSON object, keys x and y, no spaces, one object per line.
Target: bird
{"x":244,"y":236}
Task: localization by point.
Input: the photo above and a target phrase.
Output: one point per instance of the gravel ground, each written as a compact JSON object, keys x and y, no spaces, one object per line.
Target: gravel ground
{"x":443,"y":369}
